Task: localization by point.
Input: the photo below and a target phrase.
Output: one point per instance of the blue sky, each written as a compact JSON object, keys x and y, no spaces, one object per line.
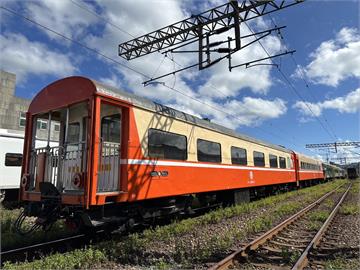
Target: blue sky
{"x":254,"y":101}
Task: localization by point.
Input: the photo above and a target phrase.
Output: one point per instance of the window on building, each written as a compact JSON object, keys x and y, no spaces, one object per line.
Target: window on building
{"x":41,"y":124}
{"x":4,"y":82}
{"x":13,"y":159}
{"x":73,"y":134}
{"x":22,"y":119}
{"x":167,"y":145}
{"x":238,"y":156}
{"x":110,"y":128}
{"x":282,"y":162}
{"x":57,"y":127}
{"x":259,"y":159}
{"x":273,"y":161}
{"x":208,"y":151}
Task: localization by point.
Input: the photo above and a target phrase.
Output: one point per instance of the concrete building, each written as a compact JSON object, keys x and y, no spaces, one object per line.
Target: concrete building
{"x":13,"y":110}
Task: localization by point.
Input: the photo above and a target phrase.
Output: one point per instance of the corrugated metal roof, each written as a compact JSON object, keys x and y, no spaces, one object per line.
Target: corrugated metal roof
{"x":142,"y":102}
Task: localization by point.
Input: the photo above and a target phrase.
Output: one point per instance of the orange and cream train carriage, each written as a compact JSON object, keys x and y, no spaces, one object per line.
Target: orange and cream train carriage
{"x":121,"y":157}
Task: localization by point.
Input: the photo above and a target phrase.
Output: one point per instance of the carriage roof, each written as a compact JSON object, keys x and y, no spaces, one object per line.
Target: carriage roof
{"x":76,"y":89}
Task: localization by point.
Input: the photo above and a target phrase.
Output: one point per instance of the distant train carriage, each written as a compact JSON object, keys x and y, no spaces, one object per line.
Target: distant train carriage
{"x":120,"y":153}
{"x":332,"y":171}
{"x":11,"y":154}
{"x":11,"y":151}
{"x":352,"y":173}
{"x":309,"y":168}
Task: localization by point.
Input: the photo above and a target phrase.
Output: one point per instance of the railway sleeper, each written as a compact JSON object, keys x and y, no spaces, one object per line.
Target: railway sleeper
{"x":274,"y":242}
{"x":292,"y":240}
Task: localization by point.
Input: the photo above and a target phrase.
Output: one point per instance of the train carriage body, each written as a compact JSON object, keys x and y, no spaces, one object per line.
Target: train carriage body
{"x":111,"y":129}
{"x":115,"y":147}
{"x":309,"y":168}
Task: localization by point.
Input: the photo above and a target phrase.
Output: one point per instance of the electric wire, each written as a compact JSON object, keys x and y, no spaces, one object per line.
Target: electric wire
{"x":74,"y":41}
{"x":293,"y":87}
{"x":138,"y":72}
{"x":171,"y":58}
{"x":302,"y":76}
{"x":307,"y":85}
{"x":83,"y":7}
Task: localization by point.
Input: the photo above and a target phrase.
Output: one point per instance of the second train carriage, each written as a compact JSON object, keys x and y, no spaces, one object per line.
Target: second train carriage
{"x":115,"y":147}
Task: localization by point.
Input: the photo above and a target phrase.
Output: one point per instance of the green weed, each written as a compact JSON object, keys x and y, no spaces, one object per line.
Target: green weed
{"x":349,"y":209}
{"x":318,"y":215}
{"x":78,"y":259}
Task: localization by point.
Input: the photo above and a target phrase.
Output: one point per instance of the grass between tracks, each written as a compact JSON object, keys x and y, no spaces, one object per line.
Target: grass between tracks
{"x":10,"y":239}
{"x":136,"y":248}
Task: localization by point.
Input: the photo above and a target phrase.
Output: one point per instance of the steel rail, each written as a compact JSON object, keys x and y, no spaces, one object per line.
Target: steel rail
{"x":228,"y":261}
{"x":303,"y":260}
{"x":19,"y":253}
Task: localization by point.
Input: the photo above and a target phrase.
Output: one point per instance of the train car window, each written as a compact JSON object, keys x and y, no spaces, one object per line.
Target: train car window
{"x":73,"y":135}
{"x":289,"y":163}
{"x":238,"y":156}
{"x":110,"y":128}
{"x":273,"y":161}
{"x":282,"y":162}
{"x":13,"y":159}
{"x":259,"y":159}
{"x":208,"y":151}
{"x":167,"y":145}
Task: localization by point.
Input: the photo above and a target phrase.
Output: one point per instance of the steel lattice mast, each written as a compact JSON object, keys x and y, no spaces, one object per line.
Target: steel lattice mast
{"x":213,"y":21}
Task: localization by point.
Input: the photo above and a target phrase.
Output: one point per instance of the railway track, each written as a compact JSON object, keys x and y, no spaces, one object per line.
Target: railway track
{"x":36,"y":251}
{"x":289,"y":244}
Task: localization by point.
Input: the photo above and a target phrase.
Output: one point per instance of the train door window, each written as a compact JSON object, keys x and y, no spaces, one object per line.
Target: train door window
{"x":110,"y":128}
{"x":208,"y":151}
{"x":238,"y":156}
{"x":13,"y":159}
{"x":259,"y":159}
{"x":109,"y":170}
{"x":273,"y":161}
{"x":167,"y":145}
{"x":282,"y":162}
{"x":73,"y":135}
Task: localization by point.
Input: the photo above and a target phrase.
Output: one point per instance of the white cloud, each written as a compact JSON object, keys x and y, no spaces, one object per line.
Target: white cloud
{"x":61,"y":16}
{"x":334,"y":60}
{"x":24,"y":57}
{"x":113,"y":81}
{"x":214,"y":82}
{"x":346,"y":104}
{"x":253,"y":111}
{"x":138,"y":18}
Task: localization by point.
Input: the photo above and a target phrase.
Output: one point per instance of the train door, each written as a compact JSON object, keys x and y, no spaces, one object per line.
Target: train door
{"x":110,"y":148}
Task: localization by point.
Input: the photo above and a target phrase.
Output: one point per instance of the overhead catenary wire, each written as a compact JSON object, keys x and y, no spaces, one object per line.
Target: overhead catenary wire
{"x":302,"y":76}
{"x":136,"y":71}
{"x":293,"y":87}
{"x":83,"y":7}
{"x":74,"y":41}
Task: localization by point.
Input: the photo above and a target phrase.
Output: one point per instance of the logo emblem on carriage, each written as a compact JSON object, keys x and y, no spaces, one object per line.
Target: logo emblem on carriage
{"x":159,"y":173}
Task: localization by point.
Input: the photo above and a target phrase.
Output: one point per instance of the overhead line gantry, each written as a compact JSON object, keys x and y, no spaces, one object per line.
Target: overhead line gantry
{"x":199,"y":28}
